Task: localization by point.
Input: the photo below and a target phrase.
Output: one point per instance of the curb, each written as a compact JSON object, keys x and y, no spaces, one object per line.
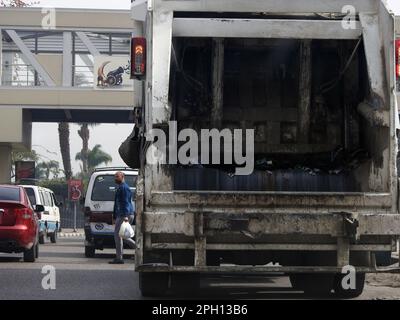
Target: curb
{"x":71,"y":235}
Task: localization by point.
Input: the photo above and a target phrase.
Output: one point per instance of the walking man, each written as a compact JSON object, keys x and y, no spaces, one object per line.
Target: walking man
{"x":123,"y":211}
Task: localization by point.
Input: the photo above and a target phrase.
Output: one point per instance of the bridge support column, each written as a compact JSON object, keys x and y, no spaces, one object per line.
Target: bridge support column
{"x":5,"y":163}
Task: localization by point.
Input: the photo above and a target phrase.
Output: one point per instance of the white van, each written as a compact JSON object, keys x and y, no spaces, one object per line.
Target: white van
{"x":50,"y":217}
{"x":99,"y":205}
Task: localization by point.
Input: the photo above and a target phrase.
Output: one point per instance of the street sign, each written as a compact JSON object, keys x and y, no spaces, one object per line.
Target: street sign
{"x":75,"y":189}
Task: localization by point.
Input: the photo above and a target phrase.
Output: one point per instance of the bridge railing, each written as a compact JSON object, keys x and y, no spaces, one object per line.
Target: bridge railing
{"x":83,"y":76}
{"x":20,"y":74}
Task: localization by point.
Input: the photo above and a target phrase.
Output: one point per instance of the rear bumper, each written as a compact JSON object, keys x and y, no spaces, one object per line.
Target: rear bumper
{"x":338,"y":224}
{"x":15,"y":238}
{"x":48,"y":227}
{"x":257,"y":269}
{"x":99,"y":240}
{"x":265,"y":234}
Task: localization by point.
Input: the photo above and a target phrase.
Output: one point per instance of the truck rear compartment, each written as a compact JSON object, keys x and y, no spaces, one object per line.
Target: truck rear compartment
{"x":321,"y":196}
{"x":300,"y":96}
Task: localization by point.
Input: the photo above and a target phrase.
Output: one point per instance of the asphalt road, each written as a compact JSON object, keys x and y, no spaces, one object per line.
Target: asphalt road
{"x":78,"y":277}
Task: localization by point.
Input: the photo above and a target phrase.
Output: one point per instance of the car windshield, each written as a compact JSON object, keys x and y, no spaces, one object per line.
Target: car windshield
{"x":9,"y":194}
{"x":105,"y":186}
{"x":31,"y":195}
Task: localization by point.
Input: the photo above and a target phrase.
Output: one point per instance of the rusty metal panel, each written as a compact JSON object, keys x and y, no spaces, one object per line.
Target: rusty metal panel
{"x":257,"y":224}
{"x":179,"y":223}
{"x":261,"y":28}
{"x":378,"y":224}
{"x":265,"y":202}
{"x":271,"y":6}
{"x":269,"y":247}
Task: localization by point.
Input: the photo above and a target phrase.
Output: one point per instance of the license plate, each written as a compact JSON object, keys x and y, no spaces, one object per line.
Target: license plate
{"x":101,"y":228}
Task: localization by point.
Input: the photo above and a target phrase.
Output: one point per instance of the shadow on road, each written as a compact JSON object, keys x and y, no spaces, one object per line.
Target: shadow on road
{"x":9,"y":259}
{"x":245,"y":287}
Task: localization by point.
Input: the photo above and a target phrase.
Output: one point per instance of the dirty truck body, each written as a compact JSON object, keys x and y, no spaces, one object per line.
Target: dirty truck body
{"x":321,"y":99}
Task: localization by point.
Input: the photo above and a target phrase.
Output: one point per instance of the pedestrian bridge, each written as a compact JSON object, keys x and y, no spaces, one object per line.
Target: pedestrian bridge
{"x":47,"y":63}
{"x":47,"y":71}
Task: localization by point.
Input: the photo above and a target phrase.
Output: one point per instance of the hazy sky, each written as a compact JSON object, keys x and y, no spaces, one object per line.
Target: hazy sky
{"x":109,"y":136}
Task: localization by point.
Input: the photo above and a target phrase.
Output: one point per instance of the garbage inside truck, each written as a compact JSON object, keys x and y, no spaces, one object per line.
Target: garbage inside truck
{"x":305,"y":100}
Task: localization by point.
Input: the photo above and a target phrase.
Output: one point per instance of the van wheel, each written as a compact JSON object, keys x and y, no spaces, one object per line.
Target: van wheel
{"x":89,"y":251}
{"x":30,"y":255}
{"x":53,"y":237}
{"x":350,"y":293}
{"x":41,"y":239}
{"x":153,"y":284}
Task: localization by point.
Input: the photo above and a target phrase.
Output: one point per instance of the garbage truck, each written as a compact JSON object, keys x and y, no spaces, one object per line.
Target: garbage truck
{"x":279,"y":123}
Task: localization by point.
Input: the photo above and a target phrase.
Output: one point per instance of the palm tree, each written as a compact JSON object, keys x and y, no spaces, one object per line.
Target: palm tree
{"x":63,"y":134}
{"x":84,"y":133}
{"x":95,"y":157}
{"x":44,"y":169}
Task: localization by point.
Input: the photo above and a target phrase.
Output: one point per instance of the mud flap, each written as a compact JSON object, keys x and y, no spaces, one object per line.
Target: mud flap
{"x":130,"y":149}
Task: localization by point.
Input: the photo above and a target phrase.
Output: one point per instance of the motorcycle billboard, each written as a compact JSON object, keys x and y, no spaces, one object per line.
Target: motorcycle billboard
{"x":112,"y":72}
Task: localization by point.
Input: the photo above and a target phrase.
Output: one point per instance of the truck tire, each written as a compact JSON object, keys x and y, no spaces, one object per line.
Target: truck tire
{"x":313,"y":284}
{"x":42,"y":239}
{"x":153,"y":284}
{"x":30,"y":255}
{"x":90,"y":251}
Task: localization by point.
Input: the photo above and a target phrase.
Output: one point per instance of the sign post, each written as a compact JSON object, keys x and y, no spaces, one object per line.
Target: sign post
{"x":75,"y":190}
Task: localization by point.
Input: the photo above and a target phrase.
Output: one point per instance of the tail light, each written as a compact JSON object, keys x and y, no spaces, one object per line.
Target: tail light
{"x":24,"y":213}
{"x":397,"y":58}
{"x":138,"y":58}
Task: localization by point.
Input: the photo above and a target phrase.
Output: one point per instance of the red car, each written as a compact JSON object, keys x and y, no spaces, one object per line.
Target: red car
{"x":19,"y":224}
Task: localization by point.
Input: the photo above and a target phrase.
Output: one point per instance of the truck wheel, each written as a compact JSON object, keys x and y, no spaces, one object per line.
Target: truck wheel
{"x":153,"y":284}
{"x":90,"y":251}
{"x":350,"y":293}
{"x":41,"y":239}
{"x":30,"y":255}
{"x":313,"y":284}
{"x":53,"y":237}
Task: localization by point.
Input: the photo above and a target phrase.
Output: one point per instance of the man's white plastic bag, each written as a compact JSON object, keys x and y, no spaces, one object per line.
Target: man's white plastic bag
{"x":126,"y":231}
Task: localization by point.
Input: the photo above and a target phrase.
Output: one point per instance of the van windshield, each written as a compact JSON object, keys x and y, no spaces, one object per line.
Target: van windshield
{"x":104,"y":187}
